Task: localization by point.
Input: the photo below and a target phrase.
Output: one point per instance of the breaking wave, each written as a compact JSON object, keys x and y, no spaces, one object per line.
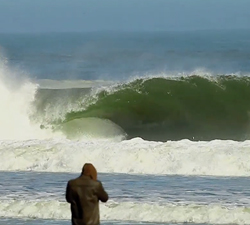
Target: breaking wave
{"x":130,"y":211}
{"x":136,"y":156}
{"x":160,"y":108}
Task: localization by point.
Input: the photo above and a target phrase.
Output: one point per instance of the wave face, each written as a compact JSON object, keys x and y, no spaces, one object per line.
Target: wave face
{"x":163,"y":108}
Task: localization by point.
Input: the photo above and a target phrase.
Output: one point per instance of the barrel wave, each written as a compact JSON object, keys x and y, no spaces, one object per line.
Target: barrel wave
{"x":166,"y":108}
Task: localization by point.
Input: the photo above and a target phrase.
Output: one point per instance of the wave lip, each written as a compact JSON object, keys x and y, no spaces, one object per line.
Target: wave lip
{"x":130,"y":211}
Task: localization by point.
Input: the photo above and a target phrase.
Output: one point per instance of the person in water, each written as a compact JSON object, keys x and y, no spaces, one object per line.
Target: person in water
{"x":84,"y":193}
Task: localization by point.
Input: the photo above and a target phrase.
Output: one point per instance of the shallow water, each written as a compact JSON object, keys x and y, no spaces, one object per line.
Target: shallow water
{"x":124,"y":187}
{"x":38,"y":198}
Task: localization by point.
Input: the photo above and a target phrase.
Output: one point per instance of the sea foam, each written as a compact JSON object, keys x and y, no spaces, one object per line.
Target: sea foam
{"x":130,"y":211}
{"x":136,"y":156}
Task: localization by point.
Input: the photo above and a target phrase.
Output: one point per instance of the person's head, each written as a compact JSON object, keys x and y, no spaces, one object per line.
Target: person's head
{"x":89,"y":170}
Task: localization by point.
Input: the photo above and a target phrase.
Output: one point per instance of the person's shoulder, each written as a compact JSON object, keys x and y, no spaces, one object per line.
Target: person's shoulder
{"x":98,"y":183}
{"x":72,"y":181}
{"x":93,"y":182}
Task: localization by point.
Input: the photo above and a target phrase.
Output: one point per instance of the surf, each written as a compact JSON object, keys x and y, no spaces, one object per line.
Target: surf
{"x":214,"y":158}
{"x":17,"y":93}
{"x":131,"y":211}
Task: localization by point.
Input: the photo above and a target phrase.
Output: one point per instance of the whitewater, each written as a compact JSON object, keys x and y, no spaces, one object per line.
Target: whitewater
{"x":170,"y":147}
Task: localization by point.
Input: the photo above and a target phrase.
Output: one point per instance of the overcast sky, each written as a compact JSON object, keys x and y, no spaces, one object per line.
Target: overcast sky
{"x":122,"y":15}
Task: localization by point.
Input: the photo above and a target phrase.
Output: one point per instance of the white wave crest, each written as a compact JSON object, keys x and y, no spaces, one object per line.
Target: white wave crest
{"x":130,"y":211}
{"x":16,"y":96}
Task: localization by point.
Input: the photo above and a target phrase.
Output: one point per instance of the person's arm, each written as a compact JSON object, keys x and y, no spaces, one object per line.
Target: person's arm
{"x":102,"y":194}
{"x":68,"y":193}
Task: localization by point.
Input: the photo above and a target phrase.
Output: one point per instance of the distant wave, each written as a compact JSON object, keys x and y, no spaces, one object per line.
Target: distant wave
{"x":193,"y":107}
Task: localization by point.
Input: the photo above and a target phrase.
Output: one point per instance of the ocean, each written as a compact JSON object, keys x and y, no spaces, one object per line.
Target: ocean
{"x":163,"y":116}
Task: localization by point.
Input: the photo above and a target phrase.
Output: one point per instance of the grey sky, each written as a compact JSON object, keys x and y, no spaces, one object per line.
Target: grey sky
{"x":123,"y":15}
